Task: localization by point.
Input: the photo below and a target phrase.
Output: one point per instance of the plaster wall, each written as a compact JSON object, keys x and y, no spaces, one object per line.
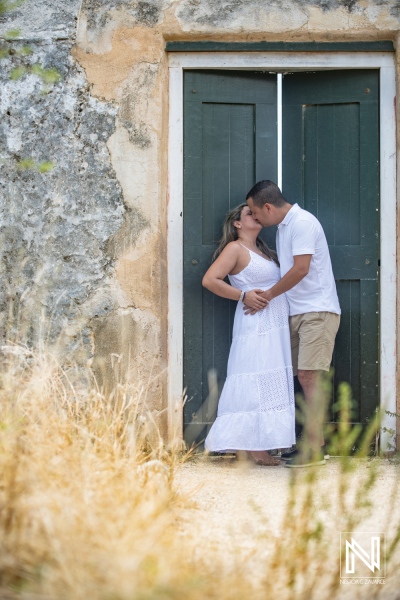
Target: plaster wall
{"x":84,"y":246}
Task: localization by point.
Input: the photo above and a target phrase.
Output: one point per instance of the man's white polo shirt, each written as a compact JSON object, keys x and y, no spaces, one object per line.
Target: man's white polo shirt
{"x":301,"y":233}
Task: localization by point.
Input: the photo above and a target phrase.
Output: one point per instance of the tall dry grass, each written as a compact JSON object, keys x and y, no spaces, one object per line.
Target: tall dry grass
{"x":89,"y":507}
{"x":307,"y":556}
{"x":87,"y":503}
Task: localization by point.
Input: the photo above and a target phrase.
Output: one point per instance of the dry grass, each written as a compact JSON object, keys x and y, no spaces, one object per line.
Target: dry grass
{"x":89,"y":507}
{"x":87,"y":504}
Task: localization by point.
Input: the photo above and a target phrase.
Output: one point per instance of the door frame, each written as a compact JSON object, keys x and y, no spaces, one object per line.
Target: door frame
{"x":284,"y":61}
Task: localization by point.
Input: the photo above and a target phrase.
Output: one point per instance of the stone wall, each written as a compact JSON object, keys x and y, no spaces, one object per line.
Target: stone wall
{"x":84,"y":246}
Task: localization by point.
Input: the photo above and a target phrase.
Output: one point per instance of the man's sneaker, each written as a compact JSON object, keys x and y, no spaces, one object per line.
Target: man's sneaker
{"x":289,"y":455}
{"x":294,"y":453}
{"x":325,"y":452}
{"x":306,"y":461}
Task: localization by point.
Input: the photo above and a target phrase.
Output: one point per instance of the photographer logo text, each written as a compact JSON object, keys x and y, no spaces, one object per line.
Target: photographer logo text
{"x":362,"y":558}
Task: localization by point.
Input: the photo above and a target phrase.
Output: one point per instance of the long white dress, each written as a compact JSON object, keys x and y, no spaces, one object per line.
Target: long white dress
{"x":256,"y":409}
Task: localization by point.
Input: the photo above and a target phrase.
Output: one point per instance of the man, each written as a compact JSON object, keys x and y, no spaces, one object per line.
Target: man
{"x":308,"y":282}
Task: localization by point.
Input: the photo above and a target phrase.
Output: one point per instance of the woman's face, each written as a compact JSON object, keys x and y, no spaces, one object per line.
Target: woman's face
{"x":247,"y":222}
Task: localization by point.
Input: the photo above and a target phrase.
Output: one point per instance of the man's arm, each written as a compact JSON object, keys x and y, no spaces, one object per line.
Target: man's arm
{"x":301,"y":266}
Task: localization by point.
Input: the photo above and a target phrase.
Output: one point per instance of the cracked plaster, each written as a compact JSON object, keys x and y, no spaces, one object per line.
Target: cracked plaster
{"x":287,"y":15}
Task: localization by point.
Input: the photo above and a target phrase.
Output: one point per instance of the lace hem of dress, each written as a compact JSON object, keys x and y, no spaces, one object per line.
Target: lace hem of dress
{"x":276,"y":389}
{"x":270,"y":390}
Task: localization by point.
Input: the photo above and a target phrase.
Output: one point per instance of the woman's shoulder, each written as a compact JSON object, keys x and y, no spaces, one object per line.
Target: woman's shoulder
{"x":233,"y":248}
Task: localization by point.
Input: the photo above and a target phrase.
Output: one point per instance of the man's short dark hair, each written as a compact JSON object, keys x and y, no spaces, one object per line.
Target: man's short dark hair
{"x":266,"y":191}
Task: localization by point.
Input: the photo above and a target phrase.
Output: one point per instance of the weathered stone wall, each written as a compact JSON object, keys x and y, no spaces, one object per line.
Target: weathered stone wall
{"x":58,"y":224}
{"x":86,"y":243}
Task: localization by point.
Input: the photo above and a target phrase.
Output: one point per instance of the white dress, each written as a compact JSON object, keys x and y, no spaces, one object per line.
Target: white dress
{"x":256,"y":409}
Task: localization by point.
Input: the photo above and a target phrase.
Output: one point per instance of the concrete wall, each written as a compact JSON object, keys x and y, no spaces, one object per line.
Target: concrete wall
{"x":85,"y":245}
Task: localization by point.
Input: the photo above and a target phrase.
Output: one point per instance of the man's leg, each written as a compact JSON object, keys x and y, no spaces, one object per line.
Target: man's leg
{"x":317,"y":331}
{"x":310,"y":381}
{"x":294,"y":344}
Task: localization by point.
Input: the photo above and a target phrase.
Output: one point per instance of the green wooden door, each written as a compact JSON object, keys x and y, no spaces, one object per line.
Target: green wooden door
{"x":331,"y":168}
{"x":229,"y":143}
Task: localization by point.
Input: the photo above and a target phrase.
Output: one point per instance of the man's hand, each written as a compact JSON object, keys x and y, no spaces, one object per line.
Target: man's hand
{"x":251,"y":310}
{"x":268,"y":295}
{"x":254,"y":301}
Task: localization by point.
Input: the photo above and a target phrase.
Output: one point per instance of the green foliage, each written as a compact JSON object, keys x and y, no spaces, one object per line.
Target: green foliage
{"x":312,"y":515}
{"x":48,"y":76}
{"x":29,"y":164}
{"x":25,"y":51}
{"x":390,"y":431}
{"x":17,"y":73}
{"x":46,"y":167}
{"x":7,"y":5}
{"x":12,"y":34}
{"x":26,"y":163}
{"x":344,"y":439}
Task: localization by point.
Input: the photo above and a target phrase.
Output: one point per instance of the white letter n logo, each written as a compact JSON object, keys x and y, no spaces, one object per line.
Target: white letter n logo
{"x":373,"y":560}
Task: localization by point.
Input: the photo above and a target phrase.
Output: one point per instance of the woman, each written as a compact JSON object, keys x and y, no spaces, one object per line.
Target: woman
{"x":256,"y":407}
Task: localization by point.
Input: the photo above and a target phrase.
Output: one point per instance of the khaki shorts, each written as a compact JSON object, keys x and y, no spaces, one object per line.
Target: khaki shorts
{"x":312,"y":337}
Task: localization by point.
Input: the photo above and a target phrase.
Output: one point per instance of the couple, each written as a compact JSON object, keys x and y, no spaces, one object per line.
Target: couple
{"x":256,"y":410}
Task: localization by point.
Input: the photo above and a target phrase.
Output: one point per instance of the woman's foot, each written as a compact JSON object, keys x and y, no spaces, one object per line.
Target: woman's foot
{"x":262,"y":457}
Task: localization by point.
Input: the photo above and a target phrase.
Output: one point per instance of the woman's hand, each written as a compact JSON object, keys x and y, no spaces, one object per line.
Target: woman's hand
{"x":254,"y":301}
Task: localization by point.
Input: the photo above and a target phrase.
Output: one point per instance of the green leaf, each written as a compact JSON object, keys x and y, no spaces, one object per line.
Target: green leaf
{"x":46,"y":166}
{"x":25,"y":51}
{"x":51,"y":76}
{"x":43,"y":167}
{"x":7,"y":6}
{"x":17,"y":73}
{"x":48,"y":76}
{"x":12,"y":34}
{"x":26,"y":163}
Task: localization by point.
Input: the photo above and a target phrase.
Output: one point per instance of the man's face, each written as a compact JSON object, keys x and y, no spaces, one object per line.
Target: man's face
{"x":261,"y":214}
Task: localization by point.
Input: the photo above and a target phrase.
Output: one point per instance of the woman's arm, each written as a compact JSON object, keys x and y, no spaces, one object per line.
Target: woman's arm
{"x":213,"y":280}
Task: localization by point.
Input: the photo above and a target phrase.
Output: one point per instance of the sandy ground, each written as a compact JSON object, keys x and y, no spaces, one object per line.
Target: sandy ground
{"x":239,"y":507}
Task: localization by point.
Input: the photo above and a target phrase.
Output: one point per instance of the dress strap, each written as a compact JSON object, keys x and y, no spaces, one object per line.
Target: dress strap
{"x":250,"y":251}
{"x":255,"y":253}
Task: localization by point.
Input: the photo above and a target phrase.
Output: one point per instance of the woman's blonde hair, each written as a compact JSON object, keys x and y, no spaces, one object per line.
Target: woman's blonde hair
{"x":230,"y":234}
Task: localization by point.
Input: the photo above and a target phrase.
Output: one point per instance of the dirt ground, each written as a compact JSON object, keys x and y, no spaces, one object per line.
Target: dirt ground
{"x":239,"y":507}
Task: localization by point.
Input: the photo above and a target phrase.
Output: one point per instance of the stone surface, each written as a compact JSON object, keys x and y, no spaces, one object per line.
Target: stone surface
{"x":42,"y":19}
{"x":290,"y":16}
{"x":101,"y":12}
{"x":56,"y":225}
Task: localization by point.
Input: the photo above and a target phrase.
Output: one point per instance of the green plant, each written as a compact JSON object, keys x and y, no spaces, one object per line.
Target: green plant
{"x":49,"y":76}
{"x":391,"y":431}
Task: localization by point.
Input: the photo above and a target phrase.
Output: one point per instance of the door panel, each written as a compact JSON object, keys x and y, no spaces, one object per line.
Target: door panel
{"x":331,"y":168}
{"x":228,"y":163}
{"x":229,"y":143}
